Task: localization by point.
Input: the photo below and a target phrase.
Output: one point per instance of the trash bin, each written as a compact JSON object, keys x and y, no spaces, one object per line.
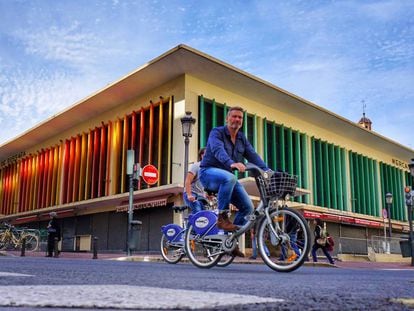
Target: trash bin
{"x":135,"y":238}
{"x":405,"y":246}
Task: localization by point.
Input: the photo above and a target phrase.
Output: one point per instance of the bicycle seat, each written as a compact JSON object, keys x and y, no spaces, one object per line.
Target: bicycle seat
{"x":178,"y":208}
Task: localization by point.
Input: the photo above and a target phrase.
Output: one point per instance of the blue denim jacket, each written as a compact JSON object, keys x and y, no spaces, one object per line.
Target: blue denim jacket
{"x":221,"y":153}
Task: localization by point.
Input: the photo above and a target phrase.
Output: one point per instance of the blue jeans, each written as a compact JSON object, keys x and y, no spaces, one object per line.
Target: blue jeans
{"x":196,"y":205}
{"x":229,"y":190}
{"x":254,"y":249}
{"x":293,"y":244}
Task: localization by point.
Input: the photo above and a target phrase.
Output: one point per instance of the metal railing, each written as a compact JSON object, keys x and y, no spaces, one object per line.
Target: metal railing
{"x":378,"y":244}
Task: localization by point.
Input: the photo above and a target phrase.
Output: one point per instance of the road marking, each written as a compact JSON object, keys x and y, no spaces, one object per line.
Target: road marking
{"x":405,"y":301}
{"x":120,"y":296}
{"x":13,"y":274}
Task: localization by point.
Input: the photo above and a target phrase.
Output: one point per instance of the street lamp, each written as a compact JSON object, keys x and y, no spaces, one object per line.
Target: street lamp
{"x":410,"y":213}
{"x":388,"y":199}
{"x":187,"y":123}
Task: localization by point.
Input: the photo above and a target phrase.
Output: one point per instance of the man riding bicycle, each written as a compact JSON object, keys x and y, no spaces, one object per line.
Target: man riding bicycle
{"x":226,"y":148}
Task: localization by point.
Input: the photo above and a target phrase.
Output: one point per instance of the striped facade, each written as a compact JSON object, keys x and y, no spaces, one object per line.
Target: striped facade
{"x":79,"y":170}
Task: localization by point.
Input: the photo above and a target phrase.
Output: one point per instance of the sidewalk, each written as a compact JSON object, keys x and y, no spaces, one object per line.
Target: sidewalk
{"x":158,"y":258}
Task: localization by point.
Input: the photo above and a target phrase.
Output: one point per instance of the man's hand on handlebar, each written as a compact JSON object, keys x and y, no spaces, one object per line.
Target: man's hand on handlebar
{"x":238,"y":166}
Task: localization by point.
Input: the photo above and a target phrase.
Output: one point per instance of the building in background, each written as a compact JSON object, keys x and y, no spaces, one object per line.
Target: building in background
{"x":75,"y":162}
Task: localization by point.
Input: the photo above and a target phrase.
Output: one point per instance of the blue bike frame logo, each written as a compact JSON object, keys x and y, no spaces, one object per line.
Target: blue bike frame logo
{"x":201,"y":222}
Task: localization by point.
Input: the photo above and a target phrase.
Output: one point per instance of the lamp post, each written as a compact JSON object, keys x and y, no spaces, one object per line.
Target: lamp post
{"x":409,"y":202}
{"x":187,"y":127}
{"x":388,"y":199}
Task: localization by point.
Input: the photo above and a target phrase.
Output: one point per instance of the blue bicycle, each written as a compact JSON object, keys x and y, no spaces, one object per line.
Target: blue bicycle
{"x":172,"y":239}
{"x":282,"y":233}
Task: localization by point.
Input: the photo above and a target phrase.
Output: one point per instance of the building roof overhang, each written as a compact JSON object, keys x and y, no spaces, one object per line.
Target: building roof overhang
{"x":184,"y":60}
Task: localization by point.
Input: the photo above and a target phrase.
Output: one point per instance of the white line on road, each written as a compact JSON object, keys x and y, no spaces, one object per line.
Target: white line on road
{"x":120,"y":297}
{"x":13,"y":274}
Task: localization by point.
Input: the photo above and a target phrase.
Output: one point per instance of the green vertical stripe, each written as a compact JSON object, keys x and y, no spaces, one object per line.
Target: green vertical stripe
{"x":290,"y":150}
{"x":326,"y":176}
{"x":305,"y":159}
{"x":255,"y":134}
{"x":214,"y":112}
{"x":282,"y":147}
{"x":345,"y":196}
{"x":274,"y":146}
{"x":333,"y":177}
{"x":314,"y":173}
{"x":298,"y":153}
{"x":339,"y":178}
{"x":321,"y":178}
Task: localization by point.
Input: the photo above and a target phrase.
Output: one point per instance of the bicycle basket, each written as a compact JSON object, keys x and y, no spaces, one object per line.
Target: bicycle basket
{"x":279,"y":185}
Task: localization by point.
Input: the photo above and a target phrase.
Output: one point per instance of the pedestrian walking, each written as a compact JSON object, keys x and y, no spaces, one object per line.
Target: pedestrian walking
{"x":53,"y":231}
{"x":320,"y":241}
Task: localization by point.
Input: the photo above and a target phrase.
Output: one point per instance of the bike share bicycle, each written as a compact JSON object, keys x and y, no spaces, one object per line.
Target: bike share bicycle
{"x":281,"y":229}
{"x":172,"y":239}
{"x":12,"y":237}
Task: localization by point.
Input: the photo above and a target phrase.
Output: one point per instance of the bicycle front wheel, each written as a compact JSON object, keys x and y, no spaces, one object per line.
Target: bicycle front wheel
{"x":288,"y":249}
{"x":32,"y":242}
{"x":171,"y":254}
{"x":203,"y":254}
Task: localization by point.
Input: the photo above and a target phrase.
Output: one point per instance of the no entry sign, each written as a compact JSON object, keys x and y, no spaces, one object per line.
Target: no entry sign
{"x":150,"y":174}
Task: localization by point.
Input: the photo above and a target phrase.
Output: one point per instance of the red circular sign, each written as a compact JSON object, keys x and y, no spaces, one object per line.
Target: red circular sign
{"x":150,"y":174}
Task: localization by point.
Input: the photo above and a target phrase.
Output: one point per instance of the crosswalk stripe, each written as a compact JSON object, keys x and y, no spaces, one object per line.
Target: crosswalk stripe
{"x":13,"y":274}
{"x":121,"y":296}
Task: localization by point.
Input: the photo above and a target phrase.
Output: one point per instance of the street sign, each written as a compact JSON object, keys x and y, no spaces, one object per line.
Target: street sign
{"x":150,"y":174}
{"x":384,"y":213}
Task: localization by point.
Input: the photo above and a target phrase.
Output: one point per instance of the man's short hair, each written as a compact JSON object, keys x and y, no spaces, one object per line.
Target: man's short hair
{"x":237,"y":108}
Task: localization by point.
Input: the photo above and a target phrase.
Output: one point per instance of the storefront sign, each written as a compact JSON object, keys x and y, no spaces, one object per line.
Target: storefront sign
{"x":12,"y":159}
{"x":400,"y":164}
{"x":143,"y":204}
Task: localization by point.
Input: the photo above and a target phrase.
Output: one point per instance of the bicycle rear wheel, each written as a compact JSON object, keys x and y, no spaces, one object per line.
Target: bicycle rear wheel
{"x":171,"y":254}
{"x":32,"y":242}
{"x":4,"y":240}
{"x":203,"y":254}
{"x":289,"y":249}
{"x":225,"y":260}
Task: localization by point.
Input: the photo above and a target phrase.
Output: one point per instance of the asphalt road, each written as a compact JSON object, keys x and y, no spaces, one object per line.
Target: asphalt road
{"x":28,"y":283}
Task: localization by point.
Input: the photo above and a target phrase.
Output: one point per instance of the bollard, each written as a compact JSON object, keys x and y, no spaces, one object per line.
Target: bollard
{"x":95,"y":248}
{"x":23,"y":250}
{"x":56,"y":247}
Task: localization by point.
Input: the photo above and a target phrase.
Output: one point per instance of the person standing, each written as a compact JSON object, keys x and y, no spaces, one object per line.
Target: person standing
{"x":194,"y":195}
{"x":227,"y":147}
{"x":53,"y":231}
{"x":319,"y":234}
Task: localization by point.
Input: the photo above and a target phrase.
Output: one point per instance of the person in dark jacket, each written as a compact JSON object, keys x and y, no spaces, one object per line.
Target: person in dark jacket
{"x":53,"y":231}
{"x":318,"y":234}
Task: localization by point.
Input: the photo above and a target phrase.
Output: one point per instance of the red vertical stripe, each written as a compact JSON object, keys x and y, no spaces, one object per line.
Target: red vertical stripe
{"x":49,"y":178}
{"x":40,"y":169}
{"x":76,"y":174}
{"x":65,"y":177}
{"x":45,"y":177}
{"x":133,"y":130}
{"x":88,"y":180}
{"x":102,"y":162}
{"x":72,"y":147}
{"x":107,"y":175}
{"x":141,"y":141}
{"x":95,"y":165}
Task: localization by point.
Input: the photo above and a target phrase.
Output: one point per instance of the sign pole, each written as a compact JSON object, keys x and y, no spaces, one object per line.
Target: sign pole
{"x":130,"y":173}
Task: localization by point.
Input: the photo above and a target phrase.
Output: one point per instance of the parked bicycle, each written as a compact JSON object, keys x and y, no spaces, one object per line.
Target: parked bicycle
{"x":280,"y":229}
{"x":172,"y":239}
{"x":12,"y":238}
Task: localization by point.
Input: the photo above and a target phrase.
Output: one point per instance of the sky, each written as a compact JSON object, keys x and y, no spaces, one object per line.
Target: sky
{"x":340,"y":55}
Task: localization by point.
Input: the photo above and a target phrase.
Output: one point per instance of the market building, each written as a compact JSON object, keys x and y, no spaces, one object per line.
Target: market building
{"x":75,"y":162}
